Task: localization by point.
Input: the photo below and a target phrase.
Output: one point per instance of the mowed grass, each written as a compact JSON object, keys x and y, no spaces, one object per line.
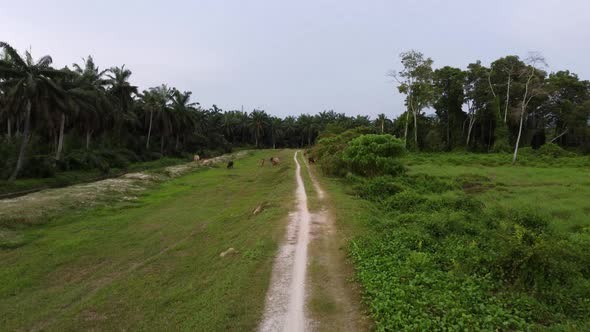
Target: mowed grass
{"x":155,"y":264}
{"x":559,"y":192}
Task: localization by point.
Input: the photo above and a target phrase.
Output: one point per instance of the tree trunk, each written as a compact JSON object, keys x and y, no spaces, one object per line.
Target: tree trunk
{"x":449,"y":131}
{"x":177,"y":143}
{"x":471,"y":123}
{"x":406,"y":130}
{"x":9,"y":127}
{"x":416,"y":130}
{"x":558,"y":136}
{"x":88,"y":134}
{"x":525,"y":102}
{"x":489,"y":135}
{"x":60,"y":142}
{"x":147,"y":144}
{"x":507,"y":99}
{"x":25,"y":141}
{"x":162,"y":146}
{"x":17,"y":125}
{"x":518,"y":137}
{"x":382,"y":126}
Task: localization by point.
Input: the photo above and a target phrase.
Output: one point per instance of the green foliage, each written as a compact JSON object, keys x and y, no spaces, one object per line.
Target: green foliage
{"x":329,"y":148}
{"x":554,"y":150}
{"x":373,"y":155}
{"x":437,"y":259}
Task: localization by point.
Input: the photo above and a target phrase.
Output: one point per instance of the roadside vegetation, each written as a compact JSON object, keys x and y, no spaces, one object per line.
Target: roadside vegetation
{"x":439,"y":250}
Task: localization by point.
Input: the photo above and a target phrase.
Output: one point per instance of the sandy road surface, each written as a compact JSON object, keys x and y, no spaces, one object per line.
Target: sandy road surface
{"x":285,"y":303}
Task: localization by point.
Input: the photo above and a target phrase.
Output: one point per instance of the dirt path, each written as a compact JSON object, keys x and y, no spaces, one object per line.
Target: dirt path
{"x":310,"y":286}
{"x":285,"y":302}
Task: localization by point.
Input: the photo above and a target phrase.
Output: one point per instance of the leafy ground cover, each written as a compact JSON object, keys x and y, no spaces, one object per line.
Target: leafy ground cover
{"x":154,"y":263}
{"x":440,"y":248}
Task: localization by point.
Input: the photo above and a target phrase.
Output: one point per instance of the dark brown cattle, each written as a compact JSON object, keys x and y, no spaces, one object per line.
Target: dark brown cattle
{"x":230,"y":164}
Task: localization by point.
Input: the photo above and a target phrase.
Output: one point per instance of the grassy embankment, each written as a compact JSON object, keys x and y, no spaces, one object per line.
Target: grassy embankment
{"x":155,"y":263}
{"x":62,"y":179}
{"x":470,"y":242}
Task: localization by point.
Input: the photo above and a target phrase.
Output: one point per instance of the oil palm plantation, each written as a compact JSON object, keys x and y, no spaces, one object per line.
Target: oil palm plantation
{"x":29,"y":85}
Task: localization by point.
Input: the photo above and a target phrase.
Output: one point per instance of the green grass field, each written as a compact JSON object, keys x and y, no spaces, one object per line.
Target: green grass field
{"x":154,"y":264}
{"x":560,"y":192}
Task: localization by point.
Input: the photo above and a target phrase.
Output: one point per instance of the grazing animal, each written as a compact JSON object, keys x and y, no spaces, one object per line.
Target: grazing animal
{"x":196,"y":158}
{"x":262,"y":162}
{"x":275,"y":161}
{"x":311,"y":160}
{"x":230,"y":164}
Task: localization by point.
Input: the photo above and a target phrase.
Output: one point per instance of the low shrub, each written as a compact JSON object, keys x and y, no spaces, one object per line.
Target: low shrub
{"x":554,"y":150}
{"x":373,"y":155}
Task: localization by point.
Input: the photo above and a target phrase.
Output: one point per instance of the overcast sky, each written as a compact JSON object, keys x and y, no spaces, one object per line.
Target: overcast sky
{"x":292,"y":57}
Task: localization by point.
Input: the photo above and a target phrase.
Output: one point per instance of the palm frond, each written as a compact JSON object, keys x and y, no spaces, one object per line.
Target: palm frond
{"x":13,"y":54}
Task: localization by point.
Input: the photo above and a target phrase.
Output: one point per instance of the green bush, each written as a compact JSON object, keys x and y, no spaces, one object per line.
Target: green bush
{"x":380,"y":187}
{"x":329,"y":147}
{"x":373,"y":155}
{"x":554,"y":150}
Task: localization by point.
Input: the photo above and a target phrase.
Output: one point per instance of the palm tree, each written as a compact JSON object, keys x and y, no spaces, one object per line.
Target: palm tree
{"x":28,"y":84}
{"x":121,"y":89}
{"x":229,"y":124}
{"x":155,"y":101}
{"x":122,"y":93}
{"x":85,"y":95}
{"x":381,"y":122}
{"x":258,"y":123}
{"x":184,"y":114}
{"x":308,"y":127}
{"x":290,"y":128}
{"x":276,"y":130}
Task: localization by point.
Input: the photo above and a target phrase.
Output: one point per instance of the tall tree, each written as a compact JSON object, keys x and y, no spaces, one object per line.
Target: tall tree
{"x":258,"y":124}
{"x":155,"y":102}
{"x":479,"y":98}
{"x":533,"y":86}
{"x":381,"y":118}
{"x":449,"y":83}
{"x":29,"y":83}
{"x":415,"y":81}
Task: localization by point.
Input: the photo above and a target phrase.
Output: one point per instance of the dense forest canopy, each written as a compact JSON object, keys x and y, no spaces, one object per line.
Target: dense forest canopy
{"x":55,"y":119}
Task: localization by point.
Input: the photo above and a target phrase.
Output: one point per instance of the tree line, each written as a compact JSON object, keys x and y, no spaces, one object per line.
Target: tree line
{"x":84,"y":117}
{"x":81,"y":117}
{"x":512,"y":103}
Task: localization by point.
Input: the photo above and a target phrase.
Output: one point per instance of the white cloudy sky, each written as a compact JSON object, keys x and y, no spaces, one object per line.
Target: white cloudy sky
{"x":291,"y":57}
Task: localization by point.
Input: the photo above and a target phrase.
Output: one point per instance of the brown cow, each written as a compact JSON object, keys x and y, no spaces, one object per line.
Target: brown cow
{"x":275,"y":161}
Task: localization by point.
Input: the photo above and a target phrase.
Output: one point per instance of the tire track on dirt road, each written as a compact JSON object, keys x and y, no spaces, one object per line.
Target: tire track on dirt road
{"x":285,"y":303}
